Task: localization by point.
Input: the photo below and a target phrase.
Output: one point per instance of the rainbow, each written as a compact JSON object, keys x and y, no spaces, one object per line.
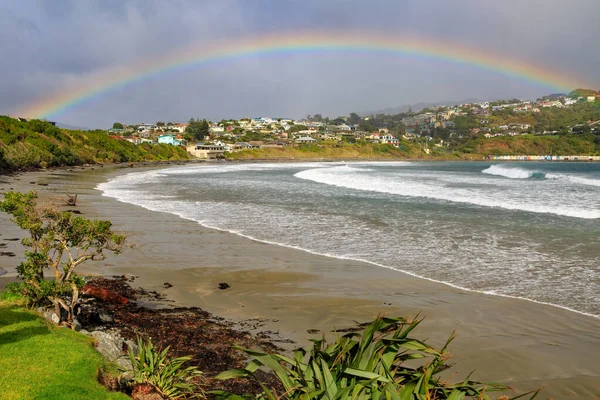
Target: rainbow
{"x":110,"y":80}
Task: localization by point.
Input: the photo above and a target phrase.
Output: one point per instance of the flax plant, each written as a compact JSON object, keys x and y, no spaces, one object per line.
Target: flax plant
{"x":375,"y":364}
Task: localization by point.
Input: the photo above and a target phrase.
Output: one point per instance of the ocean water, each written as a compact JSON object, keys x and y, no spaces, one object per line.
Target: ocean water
{"x":527,"y":230}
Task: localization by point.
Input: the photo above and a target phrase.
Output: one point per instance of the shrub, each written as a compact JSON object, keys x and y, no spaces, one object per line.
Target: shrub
{"x":12,"y":293}
{"x":371,"y":365}
{"x":58,"y":241}
{"x":165,"y":374}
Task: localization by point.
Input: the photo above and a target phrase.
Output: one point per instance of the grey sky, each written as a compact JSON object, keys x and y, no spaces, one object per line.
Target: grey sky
{"x":49,"y":46}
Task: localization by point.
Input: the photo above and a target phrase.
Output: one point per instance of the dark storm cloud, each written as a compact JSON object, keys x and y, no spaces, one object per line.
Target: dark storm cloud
{"x":53,"y":45}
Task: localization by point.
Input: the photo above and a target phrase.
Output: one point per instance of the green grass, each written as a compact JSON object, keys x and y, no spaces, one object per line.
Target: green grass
{"x":40,"y":361}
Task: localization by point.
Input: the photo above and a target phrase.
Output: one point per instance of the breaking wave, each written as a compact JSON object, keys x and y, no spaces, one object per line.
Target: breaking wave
{"x":405,"y":185}
{"x":513,"y":173}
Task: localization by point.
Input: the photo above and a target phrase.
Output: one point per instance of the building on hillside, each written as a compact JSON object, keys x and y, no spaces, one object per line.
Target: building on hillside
{"x":242,"y":146}
{"x":256,"y":144}
{"x":306,"y":139}
{"x":389,"y":139}
{"x":206,"y":151}
{"x":146,"y":127}
{"x":171,"y":139}
{"x":178,"y":127}
{"x":217,"y":128}
{"x":277,"y":143}
{"x":134,"y":139}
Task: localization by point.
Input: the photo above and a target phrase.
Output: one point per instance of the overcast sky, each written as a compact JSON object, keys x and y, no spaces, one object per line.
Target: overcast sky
{"x":50,"y":46}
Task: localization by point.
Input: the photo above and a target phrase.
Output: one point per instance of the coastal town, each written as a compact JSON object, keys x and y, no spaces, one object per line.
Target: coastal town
{"x":436,"y":127}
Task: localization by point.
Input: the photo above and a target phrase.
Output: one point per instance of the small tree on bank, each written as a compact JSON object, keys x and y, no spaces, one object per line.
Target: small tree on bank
{"x":59,"y":242}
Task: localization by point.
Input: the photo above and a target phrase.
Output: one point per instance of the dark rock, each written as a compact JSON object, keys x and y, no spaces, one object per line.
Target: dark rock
{"x":105,"y":317}
{"x":313,"y":331}
{"x":76,"y":212}
{"x":76,"y":325}
{"x":167,"y":285}
{"x":7,"y":253}
{"x":224,"y":285}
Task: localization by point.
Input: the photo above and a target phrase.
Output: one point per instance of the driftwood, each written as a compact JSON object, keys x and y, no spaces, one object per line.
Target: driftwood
{"x":70,"y":201}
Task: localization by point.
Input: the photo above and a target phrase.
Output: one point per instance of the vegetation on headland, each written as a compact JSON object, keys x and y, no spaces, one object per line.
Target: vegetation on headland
{"x":39,"y":144}
{"x":381,"y":362}
{"x":42,"y":361}
{"x":529,"y":144}
{"x":342,"y":151}
{"x":471,"y":149}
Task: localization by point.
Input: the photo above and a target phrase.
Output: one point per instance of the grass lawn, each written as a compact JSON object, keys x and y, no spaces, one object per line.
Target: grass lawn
{"x":40,"y":361}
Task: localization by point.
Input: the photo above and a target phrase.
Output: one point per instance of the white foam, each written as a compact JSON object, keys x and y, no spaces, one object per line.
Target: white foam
{"x":575,"y":179}
{"x":509,"y":172}
{"x":342,"y":177}
{"x":227,"y":168}
{"x":521,"y":173}
{"x":119,"y":188}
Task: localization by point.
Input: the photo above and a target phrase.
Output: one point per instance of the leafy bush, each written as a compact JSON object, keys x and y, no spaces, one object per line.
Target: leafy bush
{"x":58,"y":241}
{"x":377,"y":364}
{"x":165,"y":374}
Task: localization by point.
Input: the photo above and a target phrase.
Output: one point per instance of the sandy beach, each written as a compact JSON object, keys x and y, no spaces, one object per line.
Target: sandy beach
{"x":517,"y":342}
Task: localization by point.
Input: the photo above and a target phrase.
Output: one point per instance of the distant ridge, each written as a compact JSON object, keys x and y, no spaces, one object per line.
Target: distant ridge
{"x":418,"y":107}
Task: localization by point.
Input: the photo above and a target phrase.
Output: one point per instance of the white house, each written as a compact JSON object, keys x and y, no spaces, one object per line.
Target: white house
{"x":146,"y":127}
{"x":306,"y":139}
{"x":389,"y":139}
{"x":179,"y":127}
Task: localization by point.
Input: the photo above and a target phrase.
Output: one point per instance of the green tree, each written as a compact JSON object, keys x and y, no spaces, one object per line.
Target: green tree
{"x":366,"y":127}
{"x":354,"y":119}
{"x":297,"y":128}
{"x":198,"y":129}
{"x":117,"y":125}
{"x":60,"y":242}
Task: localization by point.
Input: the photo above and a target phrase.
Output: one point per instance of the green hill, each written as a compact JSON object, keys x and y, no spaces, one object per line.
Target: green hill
{"x":585,"y":144}
{"x":339,"y":151}
{"x":583,"y":92}
{"x":37,"y":143}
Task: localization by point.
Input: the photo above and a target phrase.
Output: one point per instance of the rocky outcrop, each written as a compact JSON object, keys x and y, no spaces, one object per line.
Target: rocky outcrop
{"x":114,"y":348}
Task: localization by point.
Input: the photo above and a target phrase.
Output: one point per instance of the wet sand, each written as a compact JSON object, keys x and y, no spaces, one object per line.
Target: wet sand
{"x":517,"y":342}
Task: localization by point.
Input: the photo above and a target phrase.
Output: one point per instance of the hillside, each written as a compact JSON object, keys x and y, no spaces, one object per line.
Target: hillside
{"x":339,"y":151}
{"x":37,"y":144}
{"x":587,"y":144}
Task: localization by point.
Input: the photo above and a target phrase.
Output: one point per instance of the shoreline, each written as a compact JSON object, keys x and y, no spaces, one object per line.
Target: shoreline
{"x":521,"y":343}
{"x":411,"y":274}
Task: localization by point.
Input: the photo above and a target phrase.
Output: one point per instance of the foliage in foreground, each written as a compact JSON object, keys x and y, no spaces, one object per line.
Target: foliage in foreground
{"x":58,"y":241}
{"x":40,"y":361}
{"x":165,"y":374}
{"x":377,"y":364}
